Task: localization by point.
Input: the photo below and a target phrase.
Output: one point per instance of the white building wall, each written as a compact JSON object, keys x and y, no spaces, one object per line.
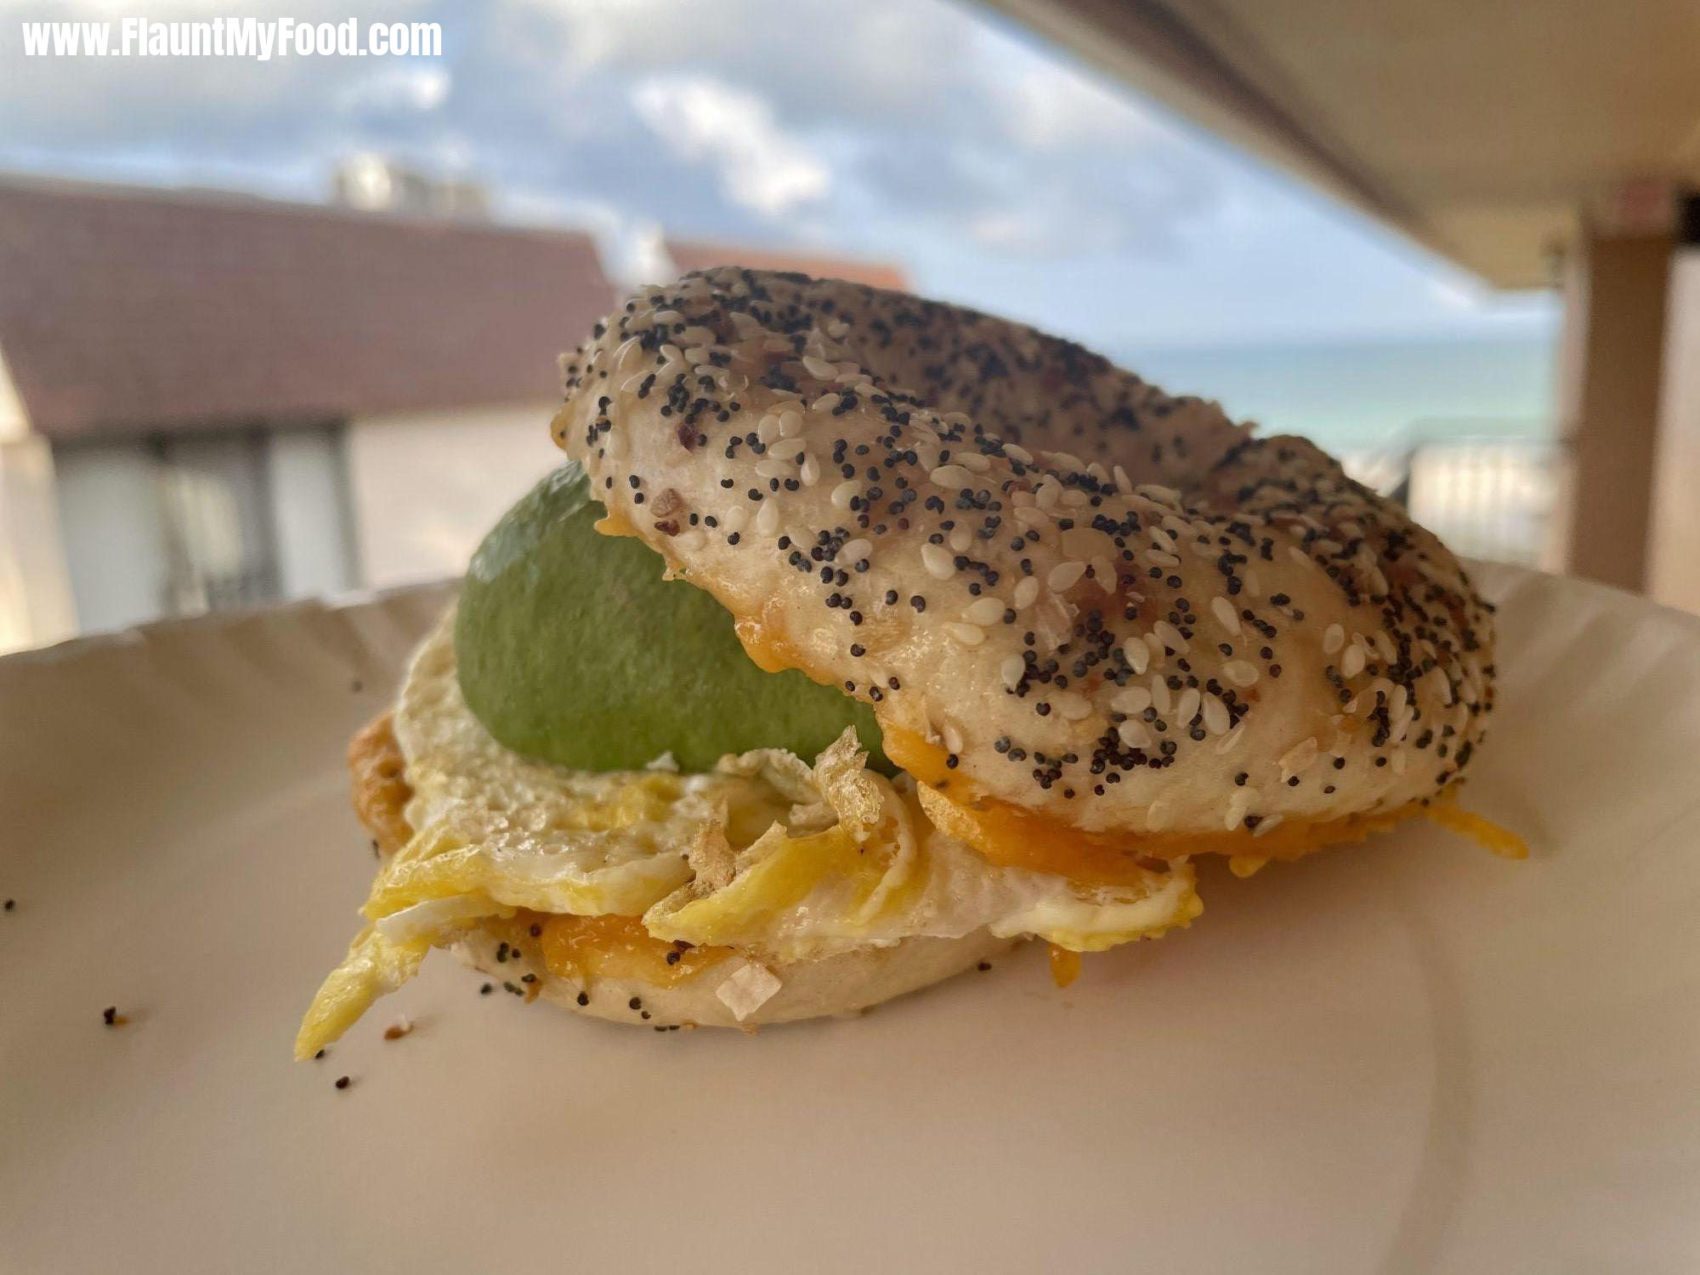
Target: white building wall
{"x":109,"y":510}
{"x":425,"y":488}
{"x":310,"y":515}
{"x":36,"y":606}
{"x":13,"y":423}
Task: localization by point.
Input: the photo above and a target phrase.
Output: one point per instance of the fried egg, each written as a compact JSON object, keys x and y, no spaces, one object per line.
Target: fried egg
{"x":769,"y":854}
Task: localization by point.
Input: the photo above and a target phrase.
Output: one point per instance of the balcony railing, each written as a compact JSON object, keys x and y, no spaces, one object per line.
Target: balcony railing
{"x":1487,"y":488}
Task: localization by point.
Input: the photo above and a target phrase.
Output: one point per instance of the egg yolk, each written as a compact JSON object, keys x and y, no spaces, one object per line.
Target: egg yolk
{"x":586,"y":948}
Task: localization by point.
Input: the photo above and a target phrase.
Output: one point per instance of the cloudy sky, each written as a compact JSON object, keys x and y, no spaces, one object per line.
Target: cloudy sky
{"x":993,"y":168}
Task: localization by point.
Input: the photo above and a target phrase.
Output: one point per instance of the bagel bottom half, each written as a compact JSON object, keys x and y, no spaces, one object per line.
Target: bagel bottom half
{"x":847,"y":983}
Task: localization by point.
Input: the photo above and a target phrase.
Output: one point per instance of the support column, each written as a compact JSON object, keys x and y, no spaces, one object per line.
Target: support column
{"x":1673,"y":542}
{"x":1612,"y":372}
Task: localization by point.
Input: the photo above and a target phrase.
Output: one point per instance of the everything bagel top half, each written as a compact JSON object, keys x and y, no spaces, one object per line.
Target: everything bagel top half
{"x":1097,"y":624}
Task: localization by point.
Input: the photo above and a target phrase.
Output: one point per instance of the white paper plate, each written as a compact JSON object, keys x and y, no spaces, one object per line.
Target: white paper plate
{"x":1408,"y":1056}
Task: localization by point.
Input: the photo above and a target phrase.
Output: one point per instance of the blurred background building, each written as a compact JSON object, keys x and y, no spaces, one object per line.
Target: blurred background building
{"x":220,"y":401}
{"x":307,"y":344}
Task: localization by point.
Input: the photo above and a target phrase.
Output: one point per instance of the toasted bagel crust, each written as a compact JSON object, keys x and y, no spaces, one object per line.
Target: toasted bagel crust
{"x":843,"y":984}
{"x":1177,"y":629}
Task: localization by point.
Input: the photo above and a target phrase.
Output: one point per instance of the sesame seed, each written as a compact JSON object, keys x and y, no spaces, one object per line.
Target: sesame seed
{"x":1064,"y":576}
{"x":1333,"y":638}
{"x":845,"y":492}
{"x":1071,"y":707}
{"x":1026,"y":592}
{"x":1231,"y":740}
{"x":984,"y":611}
{"x":1299,"y":758}
{"x":1161,"y":700}
{"x":1134,"y":733}
{"x":938,"y":562}
{"x":951,"y":477}
{"x":1171,"y":637}
{"x":1131,"y":700}
{"x":967,"y":634}
{"x":1225,"y":615}
{"x":1157,"y":815}
{"x":1216,"y":718}
{"x":1138,"y":654}
{"x":1240,"y":673}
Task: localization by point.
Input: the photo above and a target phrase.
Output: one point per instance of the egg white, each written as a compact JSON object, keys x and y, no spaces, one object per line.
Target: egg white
{"x":785,"y":860}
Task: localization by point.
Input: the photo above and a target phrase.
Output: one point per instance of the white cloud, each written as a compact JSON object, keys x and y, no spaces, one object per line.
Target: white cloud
{"x":1049,"y":105}
{"x":633,"y":249}
{"x":702,"y":120}
{"x":1456,"y":292}
{"x":420,"y":86}
{"x":997,"y":170}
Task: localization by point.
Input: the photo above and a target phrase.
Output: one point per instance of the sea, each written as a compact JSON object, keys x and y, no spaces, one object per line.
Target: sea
{"x":1355,"y":397}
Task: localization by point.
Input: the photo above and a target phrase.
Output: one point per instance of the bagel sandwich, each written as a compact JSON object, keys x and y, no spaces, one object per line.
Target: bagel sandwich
{"x":862,"y":636}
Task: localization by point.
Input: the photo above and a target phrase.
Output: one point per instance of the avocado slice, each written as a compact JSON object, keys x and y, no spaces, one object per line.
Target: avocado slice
{"x":573,"y":649}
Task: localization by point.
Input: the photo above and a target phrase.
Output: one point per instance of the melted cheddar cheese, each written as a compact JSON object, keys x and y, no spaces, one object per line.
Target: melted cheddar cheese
{"x":1008,"y":834}
{"x":1065,"y":965}
{"x":586,"y":948}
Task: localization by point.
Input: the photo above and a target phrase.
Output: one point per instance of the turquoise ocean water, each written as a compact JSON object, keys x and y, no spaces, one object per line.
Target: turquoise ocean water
{"x":1356,"y":397}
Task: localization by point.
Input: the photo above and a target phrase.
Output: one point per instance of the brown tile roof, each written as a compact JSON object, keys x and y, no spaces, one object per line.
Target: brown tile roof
{"x":125,"y":310}
{"x":700,"y":256}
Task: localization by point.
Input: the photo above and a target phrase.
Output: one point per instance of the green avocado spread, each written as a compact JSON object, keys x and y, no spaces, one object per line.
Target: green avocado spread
{"x":573,"y":649}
